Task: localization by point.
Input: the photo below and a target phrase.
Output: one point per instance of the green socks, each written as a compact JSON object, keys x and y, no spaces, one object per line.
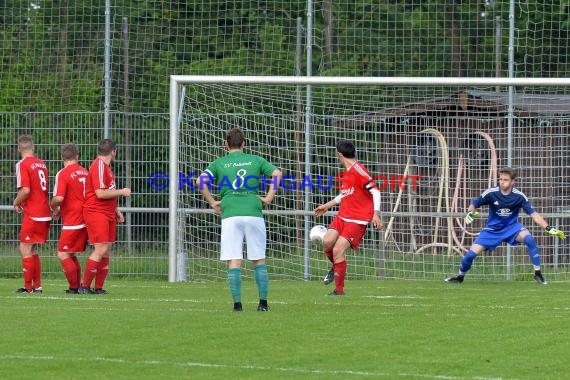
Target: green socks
{"x":234,"y":282}
{"x":261,"y":280}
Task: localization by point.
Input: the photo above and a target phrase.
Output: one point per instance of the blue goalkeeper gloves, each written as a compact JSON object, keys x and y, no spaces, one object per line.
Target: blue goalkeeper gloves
{"x":555,"y":232}
{"x":471,"y":215}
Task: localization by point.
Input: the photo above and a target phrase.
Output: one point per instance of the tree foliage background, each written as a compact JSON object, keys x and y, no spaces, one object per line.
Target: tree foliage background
{"x":53,"y":51}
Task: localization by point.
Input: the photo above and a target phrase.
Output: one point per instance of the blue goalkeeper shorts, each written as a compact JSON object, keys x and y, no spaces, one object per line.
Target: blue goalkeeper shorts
{"x":491,"y":239}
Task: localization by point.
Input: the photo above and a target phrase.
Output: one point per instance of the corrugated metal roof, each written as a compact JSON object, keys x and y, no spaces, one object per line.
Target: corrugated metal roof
{"x":470,"y":102}
{"x":545,"y":105}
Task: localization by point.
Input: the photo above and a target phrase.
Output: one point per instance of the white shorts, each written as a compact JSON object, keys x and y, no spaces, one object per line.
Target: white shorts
{"x":234,"y":230}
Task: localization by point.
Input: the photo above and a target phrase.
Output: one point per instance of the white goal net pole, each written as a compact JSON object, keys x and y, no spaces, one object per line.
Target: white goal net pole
{"x":173,"y":167}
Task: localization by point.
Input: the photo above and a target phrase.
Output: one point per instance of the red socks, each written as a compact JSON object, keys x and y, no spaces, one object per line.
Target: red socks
{"x":32,"y":268}
{"x":339,"y":274}
{"x":72,"y":271}
{"x":90,"y":273}
{"x":96,"y":270}
{"x":37,"y":278}
{"x":339,"y":270}
{"x":102,"y":272}
{"x":329,"y":254}
{"x":28,"y":269}
{"x":78,"y":269}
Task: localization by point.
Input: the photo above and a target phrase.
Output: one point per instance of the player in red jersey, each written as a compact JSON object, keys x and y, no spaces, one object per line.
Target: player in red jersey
{"x":101,"y":214}
{"x":33,"y":201}
{"x":359,"y":204}
{"x":67,"y":203}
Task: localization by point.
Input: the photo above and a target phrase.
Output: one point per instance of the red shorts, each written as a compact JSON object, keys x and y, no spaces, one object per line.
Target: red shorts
{"x":353,"y":232}
{"x":100,"y":227}
{"x":34,"y":232}
{"x":72,"y":240}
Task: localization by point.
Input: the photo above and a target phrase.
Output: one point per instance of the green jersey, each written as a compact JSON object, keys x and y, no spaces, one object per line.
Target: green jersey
{"x":239,"y":177}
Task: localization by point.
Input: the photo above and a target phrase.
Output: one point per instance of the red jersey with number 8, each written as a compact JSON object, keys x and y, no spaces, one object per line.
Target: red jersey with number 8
{"x":31,"y":172}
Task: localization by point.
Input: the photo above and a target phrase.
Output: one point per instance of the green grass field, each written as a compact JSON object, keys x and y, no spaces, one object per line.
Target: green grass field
{"x":380,"y":329}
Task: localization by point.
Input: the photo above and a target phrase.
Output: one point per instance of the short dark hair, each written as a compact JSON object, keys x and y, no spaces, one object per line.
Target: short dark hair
{"x":235,"y":138}
{"x":106,"y":146}
{"x":510,"y":171}
{"x":346,"y":148}
{"x":69,"y":152}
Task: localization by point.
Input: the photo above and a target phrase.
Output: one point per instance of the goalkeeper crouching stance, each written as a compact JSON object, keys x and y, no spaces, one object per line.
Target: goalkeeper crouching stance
{"x":505,"y":203}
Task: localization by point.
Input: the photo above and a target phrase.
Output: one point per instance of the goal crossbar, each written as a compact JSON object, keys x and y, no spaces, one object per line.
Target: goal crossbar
{"x":378,"y":81}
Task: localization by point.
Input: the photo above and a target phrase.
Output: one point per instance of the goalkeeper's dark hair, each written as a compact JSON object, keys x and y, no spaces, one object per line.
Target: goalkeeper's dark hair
{"x":510,"y":171}
{"x":69,"y":152}
{"x":346,"y":148}
{"x":106,"y":146}
{"x":235,"y":138}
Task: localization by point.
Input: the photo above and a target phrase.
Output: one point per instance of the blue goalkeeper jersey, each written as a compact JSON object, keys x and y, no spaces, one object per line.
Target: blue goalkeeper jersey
{"x":503,"y":209}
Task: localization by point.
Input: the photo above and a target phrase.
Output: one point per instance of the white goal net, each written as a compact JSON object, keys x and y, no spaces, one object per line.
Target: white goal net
{"x":433,"y":146}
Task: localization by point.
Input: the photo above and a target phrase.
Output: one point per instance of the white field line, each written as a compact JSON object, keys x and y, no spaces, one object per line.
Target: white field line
{"x":397,"y":297}
{"x":109,"y":300}
{"x":153,"y":362}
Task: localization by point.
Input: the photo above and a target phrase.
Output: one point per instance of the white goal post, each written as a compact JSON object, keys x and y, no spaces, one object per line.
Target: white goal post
{"x":451,"y":132}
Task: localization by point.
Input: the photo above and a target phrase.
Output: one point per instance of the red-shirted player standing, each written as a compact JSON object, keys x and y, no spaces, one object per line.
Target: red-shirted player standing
{"x":359,"y":204}
{"x":32,"y":200}
{"x":101,"y":215}
{"x":67,"y":203}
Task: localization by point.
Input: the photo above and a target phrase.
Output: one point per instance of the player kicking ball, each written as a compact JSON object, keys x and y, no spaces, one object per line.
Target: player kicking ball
{"x":505,"y":203}
{"x":359,"y":202}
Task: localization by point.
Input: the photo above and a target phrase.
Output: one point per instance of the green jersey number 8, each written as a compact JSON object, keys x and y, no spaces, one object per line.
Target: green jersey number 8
{"x":239,"y":182}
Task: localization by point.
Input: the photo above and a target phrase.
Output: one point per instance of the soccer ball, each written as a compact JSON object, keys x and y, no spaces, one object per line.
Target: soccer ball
{"x":318,"y":233}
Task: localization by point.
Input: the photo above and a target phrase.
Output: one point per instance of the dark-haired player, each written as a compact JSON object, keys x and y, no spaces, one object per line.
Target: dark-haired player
{"x":359,"y":201}
{"x":101,"y":215}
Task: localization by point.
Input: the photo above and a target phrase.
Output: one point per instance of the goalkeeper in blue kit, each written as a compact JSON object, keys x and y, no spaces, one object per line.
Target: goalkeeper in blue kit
{"x":505,"y":203}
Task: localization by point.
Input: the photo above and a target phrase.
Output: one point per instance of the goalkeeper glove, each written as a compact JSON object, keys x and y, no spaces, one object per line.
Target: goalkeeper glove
{"x":471,"y":215}
{"x":555,"y":232}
